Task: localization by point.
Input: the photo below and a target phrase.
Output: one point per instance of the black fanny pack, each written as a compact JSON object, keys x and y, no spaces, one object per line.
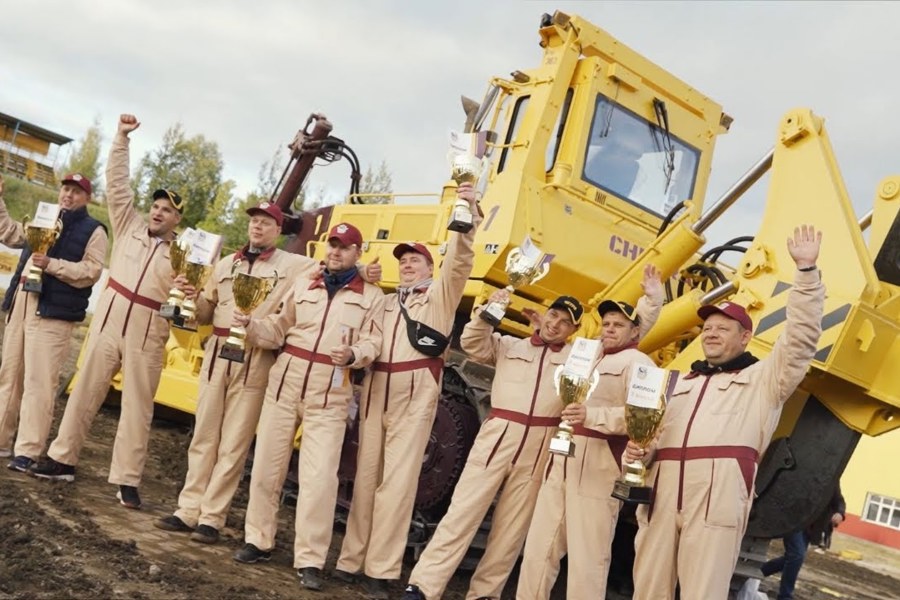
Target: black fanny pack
{"x":424,"y":339}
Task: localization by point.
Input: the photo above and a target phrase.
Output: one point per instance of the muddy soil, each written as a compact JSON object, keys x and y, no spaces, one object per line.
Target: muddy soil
{"x":75,"y":540}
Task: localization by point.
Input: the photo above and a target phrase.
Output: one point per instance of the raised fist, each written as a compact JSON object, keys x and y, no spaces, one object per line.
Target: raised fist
{"x":128,"y":123}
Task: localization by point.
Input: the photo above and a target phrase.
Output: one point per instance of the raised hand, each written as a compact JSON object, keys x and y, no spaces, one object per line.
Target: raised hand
{"x":501,"y":296}
{"x":372,"y":271}
{"x":128,"y":123}
{"x":652,"y":284}
{"x":804,"y":246}
{"x":535,"y":318}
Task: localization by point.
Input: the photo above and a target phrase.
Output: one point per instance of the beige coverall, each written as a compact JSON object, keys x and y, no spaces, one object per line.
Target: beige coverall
{"x":575,"y":509}
{"x":305,"y":385}
{"x":35,"y":348}
{"x":575,"y":513}
{"x":714,"y":431}
{"x":231,"y":393}
{"x":126,"y":331}
{"x":510,"y":451}
{"x":397,"y":411}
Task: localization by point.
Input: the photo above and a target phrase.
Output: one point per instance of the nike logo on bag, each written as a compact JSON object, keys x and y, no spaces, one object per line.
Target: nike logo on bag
{"x":427,"y":341}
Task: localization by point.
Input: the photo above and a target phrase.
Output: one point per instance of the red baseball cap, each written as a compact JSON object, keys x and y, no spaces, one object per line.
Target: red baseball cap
{"x":346,"y":234}
{"x":267,"y":208}
{"x":401,"y":249}
{"x":730,"y":310}
{"x":79,"y":180}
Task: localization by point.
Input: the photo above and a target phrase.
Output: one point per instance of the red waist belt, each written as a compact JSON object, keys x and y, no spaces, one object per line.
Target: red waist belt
{"x":131,"y":296}
{"x":435,"y":365}
{"x":305,"y":354}
{"x":746,"y":456}
{"x":522,"y":418}
{"x":221,"y":331}
{"x":593,"y":433}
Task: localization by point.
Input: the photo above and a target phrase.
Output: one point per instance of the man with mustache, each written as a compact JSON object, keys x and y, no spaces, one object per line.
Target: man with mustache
{"x":126,"y":331}
{"x":510,"y":451}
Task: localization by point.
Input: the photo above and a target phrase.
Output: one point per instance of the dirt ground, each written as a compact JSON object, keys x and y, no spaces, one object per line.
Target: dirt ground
{"x":75,"y":541}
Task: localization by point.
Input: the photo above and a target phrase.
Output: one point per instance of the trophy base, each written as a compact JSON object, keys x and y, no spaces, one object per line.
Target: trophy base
{"x":632,"y":494}
{"x":181,"y":322}
{"x":170,"y":312}
{"x":460,"y":226}
{"x":32,"y":286}
{"x":562,"y":447}
{"x":232,"y":353}
{"x":492,"y":314}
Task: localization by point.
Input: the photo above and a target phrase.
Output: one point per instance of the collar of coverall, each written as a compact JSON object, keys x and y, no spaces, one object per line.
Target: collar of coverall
{"x":628,"y":346}
{"x":265,"y":254}
{"x":739,"y":363}
{"x":537,"y":340}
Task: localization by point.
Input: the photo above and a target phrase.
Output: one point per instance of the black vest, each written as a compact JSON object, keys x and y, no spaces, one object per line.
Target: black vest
{"x":60,"y":300}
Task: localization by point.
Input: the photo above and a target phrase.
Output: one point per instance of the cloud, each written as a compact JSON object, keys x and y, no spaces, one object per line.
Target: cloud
{"x":388,"y":74}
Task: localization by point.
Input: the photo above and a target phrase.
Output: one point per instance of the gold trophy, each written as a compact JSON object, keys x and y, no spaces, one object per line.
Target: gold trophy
{"x":196,"y":274}
{"x":465,"y":168}
{"x":39,"y":240}
{"x":570,"y":388}
{"x":521,"y":271}
{"x":249,"y":292}
{"x":178,"y":251}
{"x":641,"y":422}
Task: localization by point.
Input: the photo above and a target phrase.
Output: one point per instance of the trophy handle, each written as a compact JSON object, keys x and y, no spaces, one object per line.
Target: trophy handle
{"x":595,"y":379}
{"x":545,"y":268}
{"x":512,"y":257}
{"x":59,"y":228}
{"x":235,"y":266}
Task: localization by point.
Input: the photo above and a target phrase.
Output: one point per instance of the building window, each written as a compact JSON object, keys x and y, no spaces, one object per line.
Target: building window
{"x":882,"y":510}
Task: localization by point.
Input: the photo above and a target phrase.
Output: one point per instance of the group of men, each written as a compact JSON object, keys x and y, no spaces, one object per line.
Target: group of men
{"x":320,"y":327}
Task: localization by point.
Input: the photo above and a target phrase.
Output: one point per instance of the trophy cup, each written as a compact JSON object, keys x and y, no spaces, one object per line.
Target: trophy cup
{"x":39,"y":240}
{"x":644,"y":412}
{"x":466,"y":168}
{"x":178,"y":252}
{"x":570,"y":388}
{"x":196,"y":274}
{"x":522,"y":268}
{"x":249,"y":292}
{"x":467,"y":163}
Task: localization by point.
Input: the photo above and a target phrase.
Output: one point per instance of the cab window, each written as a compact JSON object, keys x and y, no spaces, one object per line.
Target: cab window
{"x":636,"y":160}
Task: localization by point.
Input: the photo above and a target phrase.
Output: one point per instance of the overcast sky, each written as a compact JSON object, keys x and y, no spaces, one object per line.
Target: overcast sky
{"x":388,"y":73}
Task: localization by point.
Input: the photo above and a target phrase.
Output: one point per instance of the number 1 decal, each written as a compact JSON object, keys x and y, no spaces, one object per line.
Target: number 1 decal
{"x":492,"y":212}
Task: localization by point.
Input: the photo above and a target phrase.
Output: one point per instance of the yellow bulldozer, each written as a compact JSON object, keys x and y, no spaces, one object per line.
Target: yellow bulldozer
{"x":602,"y":158}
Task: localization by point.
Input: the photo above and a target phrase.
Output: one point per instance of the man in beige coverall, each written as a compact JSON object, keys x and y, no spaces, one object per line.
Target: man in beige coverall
{"x":718,"y":424}
{"x":126,"y":331}
{"x":510,"y":451}
{"x":231,"y":393}
{"x":326,"y":327}
{"x":398,"y":408}
{"x":575,"y":513}
{"x":39,"y":326}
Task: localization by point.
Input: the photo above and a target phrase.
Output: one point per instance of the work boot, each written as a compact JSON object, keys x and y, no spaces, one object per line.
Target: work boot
{"x":310,"y":578}
{"x":55,"y":471}
{"x":413,"y":592}
{"x":377,"y":589}
{"x":346,"y":576}
{"x":21,"y":464}
{"x":250,"y":554}
{"x":172,"y":523}
{"x":205,"y":534}
{"x":128,"y":496}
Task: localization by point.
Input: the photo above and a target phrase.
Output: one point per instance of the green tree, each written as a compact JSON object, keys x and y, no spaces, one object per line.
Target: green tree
{"x":190,"y":166}
{"x":85,"y":158}
{"x":376,"y":182}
